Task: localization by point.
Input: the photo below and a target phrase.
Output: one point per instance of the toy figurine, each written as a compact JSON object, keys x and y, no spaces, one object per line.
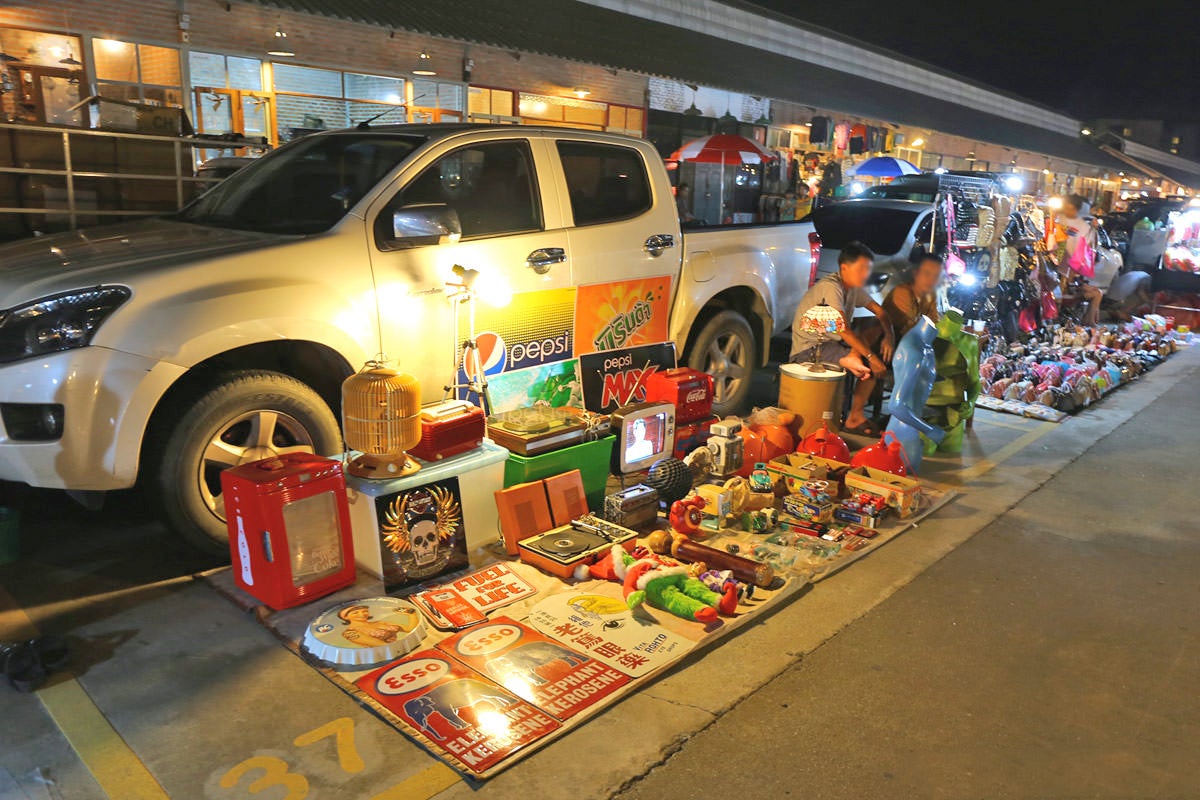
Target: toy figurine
{"x":914,"y":367}
{"x":719,"y":581}
{"x":686,"y":515}
{"x":672,"y":589}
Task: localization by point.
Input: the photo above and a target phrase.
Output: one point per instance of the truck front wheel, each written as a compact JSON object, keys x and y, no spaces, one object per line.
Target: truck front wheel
{"x":725,"y":349}
{"x":245,"y":416}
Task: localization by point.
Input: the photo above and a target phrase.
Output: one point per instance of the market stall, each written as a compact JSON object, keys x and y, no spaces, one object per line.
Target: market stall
{"x":487,"y":583}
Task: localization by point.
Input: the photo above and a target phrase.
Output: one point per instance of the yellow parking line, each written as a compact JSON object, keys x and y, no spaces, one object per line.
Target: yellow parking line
{"x":118,"y":770}
{"x":986,"y":465}
{"x":422,"y":786}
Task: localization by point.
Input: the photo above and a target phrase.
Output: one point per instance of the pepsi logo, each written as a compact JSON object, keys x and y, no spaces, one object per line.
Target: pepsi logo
{"x":493,"y":355}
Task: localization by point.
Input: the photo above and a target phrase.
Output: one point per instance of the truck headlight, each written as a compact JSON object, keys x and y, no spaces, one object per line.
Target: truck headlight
{"x":59,"y":322}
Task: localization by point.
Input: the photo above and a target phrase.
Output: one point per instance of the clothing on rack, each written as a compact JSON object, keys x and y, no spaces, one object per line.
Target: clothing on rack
{"x":818,"y":134}
{"x":841,"y":136}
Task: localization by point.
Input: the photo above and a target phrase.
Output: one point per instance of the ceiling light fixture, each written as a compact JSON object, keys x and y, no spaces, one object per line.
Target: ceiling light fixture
{"x":278,"y":45}
{"x":70,"y":60}
{"x":918,"y":142}
{"x":581,"y":92}
{"x":424,"y":65}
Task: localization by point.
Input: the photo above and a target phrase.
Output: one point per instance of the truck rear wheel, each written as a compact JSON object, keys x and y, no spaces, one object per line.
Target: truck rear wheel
{"x":725,"y":349}
{"x":244,"y":417}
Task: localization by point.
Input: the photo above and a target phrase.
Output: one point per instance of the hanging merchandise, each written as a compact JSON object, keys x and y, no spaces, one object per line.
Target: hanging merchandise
{"x":819,"y":133}
{"x":841,"y":136}
{"x":876,"y":139}
{"x":858,"y":139}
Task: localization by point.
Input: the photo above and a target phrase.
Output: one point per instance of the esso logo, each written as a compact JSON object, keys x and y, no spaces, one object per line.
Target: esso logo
{"x":412,"y":675}
{"x":488,"y":639}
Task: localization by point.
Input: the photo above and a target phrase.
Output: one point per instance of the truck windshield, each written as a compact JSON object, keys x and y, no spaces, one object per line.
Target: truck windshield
{"x":304,"y":187}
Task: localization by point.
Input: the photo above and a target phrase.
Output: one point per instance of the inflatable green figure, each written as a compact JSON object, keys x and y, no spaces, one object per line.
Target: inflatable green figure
{"x":957,"y":385}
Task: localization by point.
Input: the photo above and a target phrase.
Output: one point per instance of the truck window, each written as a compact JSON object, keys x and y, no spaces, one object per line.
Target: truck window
{"x":304,"y":187}
{"x":491,"y":186}
{"x":605,"y":182}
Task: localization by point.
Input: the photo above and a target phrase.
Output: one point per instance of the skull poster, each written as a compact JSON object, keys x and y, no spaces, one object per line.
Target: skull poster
{"x":421,"y":533}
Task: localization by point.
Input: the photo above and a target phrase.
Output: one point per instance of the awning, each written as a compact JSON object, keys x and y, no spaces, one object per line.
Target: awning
{"x":1144,"y":169}
{"x":581,"y":32}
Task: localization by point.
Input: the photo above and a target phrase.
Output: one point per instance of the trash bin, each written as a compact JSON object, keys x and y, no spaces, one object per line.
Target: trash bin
{"x":810,"y":393}
{"x":10,"y":535}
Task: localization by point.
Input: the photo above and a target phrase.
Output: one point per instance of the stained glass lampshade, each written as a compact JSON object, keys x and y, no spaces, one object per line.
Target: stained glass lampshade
{"x":822,"y":320}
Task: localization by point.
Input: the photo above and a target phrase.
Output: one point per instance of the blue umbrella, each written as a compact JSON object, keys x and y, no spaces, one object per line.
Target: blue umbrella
{"x":885,"y":167}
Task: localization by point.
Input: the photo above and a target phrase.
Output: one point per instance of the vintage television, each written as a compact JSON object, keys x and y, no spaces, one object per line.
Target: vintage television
{"x":645,"y":433}
{"x":289,"y":528}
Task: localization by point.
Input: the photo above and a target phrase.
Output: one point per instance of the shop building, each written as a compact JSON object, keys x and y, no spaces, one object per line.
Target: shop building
{"x":668,"y":71}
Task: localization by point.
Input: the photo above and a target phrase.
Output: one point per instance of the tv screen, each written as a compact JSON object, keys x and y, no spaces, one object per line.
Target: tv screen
{"x":645,"y":438}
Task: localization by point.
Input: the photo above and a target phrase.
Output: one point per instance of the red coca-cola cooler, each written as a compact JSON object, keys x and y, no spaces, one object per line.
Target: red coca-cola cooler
{"x":690,"y":390}
{"x":289,"y":528}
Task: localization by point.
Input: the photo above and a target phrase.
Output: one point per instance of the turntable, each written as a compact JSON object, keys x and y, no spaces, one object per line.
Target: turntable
{"x":584,"y":541}
{"x":530,"y":431}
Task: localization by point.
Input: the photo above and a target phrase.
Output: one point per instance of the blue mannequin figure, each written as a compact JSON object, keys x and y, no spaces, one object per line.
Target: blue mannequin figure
{"x":914,"y":368}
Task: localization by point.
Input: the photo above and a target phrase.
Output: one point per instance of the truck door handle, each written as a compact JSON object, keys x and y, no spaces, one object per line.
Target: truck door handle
{"x":657,"y":242}
{"x":542,"y":259}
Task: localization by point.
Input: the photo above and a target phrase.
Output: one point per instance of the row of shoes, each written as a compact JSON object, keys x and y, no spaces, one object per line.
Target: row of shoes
{"x":1070,"y":368}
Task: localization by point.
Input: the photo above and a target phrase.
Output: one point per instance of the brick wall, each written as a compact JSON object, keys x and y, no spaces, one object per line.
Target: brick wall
{"x":318,"y":41}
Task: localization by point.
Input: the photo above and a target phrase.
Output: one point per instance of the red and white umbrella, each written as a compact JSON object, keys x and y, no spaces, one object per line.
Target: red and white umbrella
{"x":723,"y":148}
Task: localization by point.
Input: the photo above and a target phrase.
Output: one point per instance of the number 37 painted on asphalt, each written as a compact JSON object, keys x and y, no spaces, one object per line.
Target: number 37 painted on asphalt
{"x":259,"y":773}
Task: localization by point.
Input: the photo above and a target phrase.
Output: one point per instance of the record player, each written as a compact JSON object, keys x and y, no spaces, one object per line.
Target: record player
{"x":584,"y":541}
{"x":530,"y":431}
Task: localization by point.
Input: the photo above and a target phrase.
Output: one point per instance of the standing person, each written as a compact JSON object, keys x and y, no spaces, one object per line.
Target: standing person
{"x":683,"y":203}
{"x":1075,"y":228}
{"x":844,"y":291}
{"x":916,"y":297}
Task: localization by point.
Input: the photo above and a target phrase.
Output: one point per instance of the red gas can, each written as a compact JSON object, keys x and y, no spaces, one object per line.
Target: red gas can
{"x":289,"y":528}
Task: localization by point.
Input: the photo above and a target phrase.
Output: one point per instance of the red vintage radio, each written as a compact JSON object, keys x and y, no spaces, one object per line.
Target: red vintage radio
{"x":690,"y":390}
{"x":691,"y":435}
{"x":289,"y":528}
{"x":448,"y":429}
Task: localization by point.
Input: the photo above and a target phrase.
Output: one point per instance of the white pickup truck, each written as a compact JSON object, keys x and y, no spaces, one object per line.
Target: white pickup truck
{"x":164,"y":351}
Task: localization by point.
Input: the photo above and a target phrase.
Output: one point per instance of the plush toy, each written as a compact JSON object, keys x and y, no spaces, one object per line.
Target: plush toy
{"x":674,"y":590}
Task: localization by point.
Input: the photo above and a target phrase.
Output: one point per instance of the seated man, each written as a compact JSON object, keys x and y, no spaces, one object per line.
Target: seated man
{"x":844,"y":291}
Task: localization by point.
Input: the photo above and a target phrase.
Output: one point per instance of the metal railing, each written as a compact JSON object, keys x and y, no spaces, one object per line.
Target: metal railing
{"x":70,"y":173}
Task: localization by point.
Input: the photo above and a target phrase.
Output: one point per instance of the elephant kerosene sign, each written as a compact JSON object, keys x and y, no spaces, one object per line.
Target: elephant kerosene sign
{"x":471,"y":718}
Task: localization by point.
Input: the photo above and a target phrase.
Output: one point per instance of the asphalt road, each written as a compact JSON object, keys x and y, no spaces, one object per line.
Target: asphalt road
{"x":1054,"y":655}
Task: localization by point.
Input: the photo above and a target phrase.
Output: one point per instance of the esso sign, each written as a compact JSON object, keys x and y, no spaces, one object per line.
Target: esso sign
{"x":412,"y":675}
{"x":488,"y":639}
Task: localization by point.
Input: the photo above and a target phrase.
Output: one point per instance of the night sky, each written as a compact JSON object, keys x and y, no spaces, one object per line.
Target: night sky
{"x":1105,"y":58}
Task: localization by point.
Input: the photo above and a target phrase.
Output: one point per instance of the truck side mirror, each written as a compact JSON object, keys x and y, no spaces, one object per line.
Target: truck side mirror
{"x":419,"y":225}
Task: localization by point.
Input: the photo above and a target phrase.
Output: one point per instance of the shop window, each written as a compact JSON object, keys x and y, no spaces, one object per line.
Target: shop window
{"x":605,"y":183}
{"x":38,"y":87}
{"x":308,"y":98}
{"x":539,"y":109}
{"x":628,"y":120}
{"x":492,"y":187}
{"x":436,"y":101}
{"x":492,"y":105}
{"x":140,"y":73}
{"x":213,"y":70}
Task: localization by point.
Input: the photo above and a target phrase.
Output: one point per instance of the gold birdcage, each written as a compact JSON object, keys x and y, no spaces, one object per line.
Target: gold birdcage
{"x":381,"y":418}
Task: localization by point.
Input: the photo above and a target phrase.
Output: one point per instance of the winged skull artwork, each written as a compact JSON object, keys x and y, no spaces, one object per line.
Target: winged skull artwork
{"x":417,"y":524}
